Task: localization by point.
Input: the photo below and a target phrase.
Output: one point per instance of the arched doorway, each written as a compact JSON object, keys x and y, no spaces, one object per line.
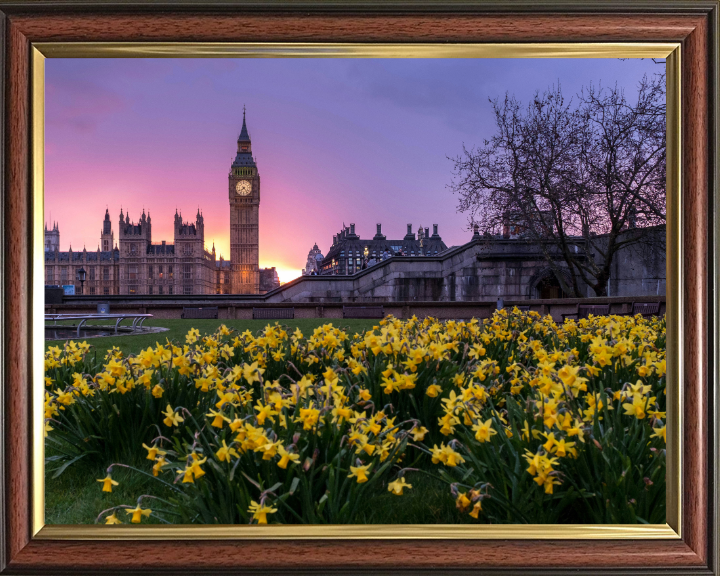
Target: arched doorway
{"x":548,"y":287}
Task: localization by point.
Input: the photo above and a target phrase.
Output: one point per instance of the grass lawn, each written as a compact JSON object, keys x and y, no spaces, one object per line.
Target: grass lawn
{"x":132,"y":344}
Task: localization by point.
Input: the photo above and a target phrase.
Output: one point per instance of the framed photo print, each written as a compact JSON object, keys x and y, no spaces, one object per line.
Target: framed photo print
{"x":354,"y":287}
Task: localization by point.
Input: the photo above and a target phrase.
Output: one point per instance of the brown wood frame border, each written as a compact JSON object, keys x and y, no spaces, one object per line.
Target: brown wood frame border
{"x":694,"y":24}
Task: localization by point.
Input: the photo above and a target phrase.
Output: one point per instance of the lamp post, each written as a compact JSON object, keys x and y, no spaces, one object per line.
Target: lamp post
{"x":81,"y":277}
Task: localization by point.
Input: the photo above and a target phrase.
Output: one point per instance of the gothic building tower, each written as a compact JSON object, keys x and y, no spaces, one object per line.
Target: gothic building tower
{"x":106,"y":235}
{"x":244,"y":196}
{"x":52,"y":238}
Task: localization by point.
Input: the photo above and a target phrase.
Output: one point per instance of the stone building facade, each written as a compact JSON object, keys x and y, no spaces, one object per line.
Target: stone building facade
{"x":348,"y":250}
{"x":314,"y":259}
{"x":139,"y":266}
{"x":183,"y":267}
{"x":101,"y":270}
{"x":269,"y":280}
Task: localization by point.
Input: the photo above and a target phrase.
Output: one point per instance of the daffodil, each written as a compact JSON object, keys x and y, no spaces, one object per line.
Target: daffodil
{"x":659,"y":433}
{"x":483,"y":431}
{"x":107,"y":483}
{"x":359,"y":472}
{"x":224,"y":453}
{"x":260,"y":511}
{"x":138,"y":513}
{"x":475,"y":512}
{"x":433,"y":390}
{"x":112,"y":519}
{"x":252,"y":372}
{"x":398,"y":485}
{"x":171,"y":418}
{"x":153,"y":451}
{"x":286,"y":457}
{"x":419,"y":433}
{"x":462,"y":502}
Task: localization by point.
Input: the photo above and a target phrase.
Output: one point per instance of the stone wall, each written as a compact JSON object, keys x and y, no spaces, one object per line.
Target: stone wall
{"x":482,"y":269}
{"x":479,"y":270}
{"x":235,"y":309}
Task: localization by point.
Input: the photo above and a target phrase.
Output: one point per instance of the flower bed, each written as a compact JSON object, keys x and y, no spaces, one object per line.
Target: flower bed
{"x":524,"y":420}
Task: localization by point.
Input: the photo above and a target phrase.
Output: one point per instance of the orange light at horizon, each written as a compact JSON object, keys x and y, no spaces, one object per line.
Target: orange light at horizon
{"x":285,"y":273}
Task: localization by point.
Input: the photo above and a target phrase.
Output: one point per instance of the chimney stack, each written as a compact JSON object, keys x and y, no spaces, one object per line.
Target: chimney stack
{"x":435,"y":229}
{"x":379,"y":234}
{"x":410,"y":235}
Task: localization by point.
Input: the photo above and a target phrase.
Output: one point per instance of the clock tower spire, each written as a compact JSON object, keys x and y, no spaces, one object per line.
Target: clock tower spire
{"x":244,"y":197}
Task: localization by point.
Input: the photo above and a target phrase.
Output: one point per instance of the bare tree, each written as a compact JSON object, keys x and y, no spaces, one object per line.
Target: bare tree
{"x":580,"y":180}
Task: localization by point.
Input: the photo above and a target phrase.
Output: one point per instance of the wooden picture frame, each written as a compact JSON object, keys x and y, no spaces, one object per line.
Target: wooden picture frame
{"x":693,"y":25}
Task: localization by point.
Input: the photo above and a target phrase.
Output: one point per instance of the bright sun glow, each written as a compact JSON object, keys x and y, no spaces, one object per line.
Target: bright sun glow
{"x":284,"y":272}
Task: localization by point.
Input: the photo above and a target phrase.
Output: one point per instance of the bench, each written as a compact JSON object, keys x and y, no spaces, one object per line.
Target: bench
{"x":585,"y":310}
{"x":273,"y":313}
{"x":645,"y":309}
{"x":198,"y":313}
{"x":363,"y":312}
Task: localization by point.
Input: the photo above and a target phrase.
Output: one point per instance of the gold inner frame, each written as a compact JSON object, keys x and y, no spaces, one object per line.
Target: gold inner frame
{"x":674,"y":289}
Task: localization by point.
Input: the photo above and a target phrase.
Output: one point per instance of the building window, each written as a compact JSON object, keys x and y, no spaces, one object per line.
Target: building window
{"x":133,"y":249}
{"x":160,"y":290}
{"x":150,"y":290}
{"x":91,"y":272}
{"x":92,"y":289}
{"x":105,"y":245}
{"x":187,"y":271}
{"x":132,"y":272}
{"x":170,"y":272}
{"x":187,"y":249}
{"x":106,"y":273}
{"x":150,"y":271}
{"x":132,"y":289}
{"x":49,"y":275}
{"x":106,"y":291}
{"x":160,"y":271}
{"x":187,"y":289}
{"x":170,"y":290}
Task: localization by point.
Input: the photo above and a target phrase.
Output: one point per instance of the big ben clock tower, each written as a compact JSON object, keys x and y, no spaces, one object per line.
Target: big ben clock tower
{"x":244,"y":191}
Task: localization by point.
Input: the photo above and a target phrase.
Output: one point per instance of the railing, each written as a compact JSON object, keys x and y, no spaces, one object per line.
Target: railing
{"x":138,"y":319}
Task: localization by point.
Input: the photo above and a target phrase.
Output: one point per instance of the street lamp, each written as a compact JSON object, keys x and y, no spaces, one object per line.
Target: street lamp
{"x":81,"y":277}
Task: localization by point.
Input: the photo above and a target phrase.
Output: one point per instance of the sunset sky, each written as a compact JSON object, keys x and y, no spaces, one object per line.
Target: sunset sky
{"x":336,"y":140}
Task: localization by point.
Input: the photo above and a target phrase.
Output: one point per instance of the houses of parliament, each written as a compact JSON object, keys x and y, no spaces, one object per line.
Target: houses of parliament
{"x":137,"y":265}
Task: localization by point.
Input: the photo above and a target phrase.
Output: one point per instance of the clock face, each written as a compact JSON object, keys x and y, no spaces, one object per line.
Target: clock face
{"x":243,"y":187}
